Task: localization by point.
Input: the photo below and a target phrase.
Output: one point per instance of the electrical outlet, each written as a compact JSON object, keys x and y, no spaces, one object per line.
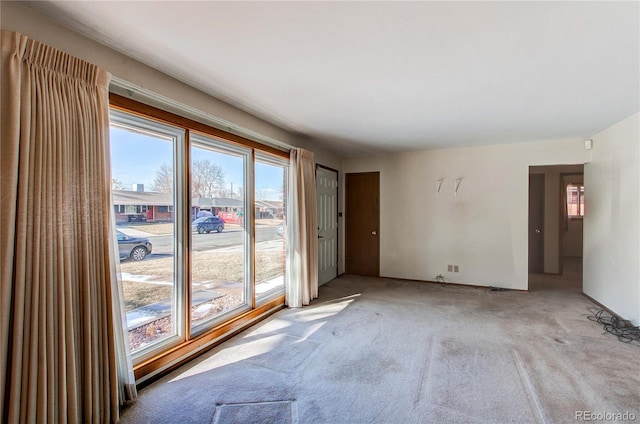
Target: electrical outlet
{"x":456,"y":268}
{"x":449,"y":268}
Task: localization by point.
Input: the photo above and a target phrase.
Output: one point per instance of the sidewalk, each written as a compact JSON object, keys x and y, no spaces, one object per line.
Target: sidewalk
{"x":131,"y":232}
{"x":149,"y":313}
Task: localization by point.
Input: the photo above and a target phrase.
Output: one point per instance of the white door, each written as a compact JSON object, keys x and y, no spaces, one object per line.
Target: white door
{"x":327,"y":192}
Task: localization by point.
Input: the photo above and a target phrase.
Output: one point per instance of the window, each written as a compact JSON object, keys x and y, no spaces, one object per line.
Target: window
{"x":270,"y":194}
{"x":203,"y":264}
{"x":575,"y":201}
{"x":220,"y":271}
{"x":140,"y":149}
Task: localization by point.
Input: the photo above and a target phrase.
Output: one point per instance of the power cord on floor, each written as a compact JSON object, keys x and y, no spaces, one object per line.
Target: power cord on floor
{"x":624,"y":330}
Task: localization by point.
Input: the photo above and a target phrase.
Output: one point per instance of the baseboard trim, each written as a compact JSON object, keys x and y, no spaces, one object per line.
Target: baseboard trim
{"x":609,"y":311}
{"x":475,"y":286}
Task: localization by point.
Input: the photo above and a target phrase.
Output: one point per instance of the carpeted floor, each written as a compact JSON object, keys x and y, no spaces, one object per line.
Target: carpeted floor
{"x":386,"y":351}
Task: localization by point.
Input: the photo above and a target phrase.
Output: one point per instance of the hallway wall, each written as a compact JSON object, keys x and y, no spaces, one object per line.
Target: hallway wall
{"x":612,"y":222}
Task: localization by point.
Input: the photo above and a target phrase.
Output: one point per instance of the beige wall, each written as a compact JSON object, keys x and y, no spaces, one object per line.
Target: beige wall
{"x":611,"y":222}
{"x":483,"y":229}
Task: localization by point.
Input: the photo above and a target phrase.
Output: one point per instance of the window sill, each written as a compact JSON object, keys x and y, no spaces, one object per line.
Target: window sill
{"x":161,"y":364}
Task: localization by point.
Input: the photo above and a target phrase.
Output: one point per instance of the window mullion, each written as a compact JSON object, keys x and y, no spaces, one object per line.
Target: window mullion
{"x":183,"y":262}
{"x":251,"y":226}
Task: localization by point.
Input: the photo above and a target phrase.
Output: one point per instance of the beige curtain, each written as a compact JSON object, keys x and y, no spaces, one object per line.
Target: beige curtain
{"x":57,"y":347}
{"x":302,"y":230}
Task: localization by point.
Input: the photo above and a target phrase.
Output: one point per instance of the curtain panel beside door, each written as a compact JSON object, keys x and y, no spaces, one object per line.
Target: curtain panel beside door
{"x":302,"y":231}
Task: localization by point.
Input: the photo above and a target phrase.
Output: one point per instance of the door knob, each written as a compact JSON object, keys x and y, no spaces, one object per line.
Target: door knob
{"x":374,"y":233}
{"x":538,"y":230}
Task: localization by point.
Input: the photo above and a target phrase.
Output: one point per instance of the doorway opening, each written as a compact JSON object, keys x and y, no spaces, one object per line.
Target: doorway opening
{"x":556,"y":211}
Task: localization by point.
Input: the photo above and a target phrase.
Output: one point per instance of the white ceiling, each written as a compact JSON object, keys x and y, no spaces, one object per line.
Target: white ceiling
{"x":391,"y":76}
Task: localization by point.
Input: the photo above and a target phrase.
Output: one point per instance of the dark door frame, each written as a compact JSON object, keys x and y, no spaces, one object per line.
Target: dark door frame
{"x":540,"y":253}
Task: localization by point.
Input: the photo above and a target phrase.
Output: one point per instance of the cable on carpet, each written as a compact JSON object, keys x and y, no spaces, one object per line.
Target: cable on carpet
{"x":624,"y":330}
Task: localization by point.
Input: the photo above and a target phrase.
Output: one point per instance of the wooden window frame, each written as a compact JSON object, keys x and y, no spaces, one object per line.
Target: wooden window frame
{"x":161,"y":363}
{"x":134,"y":107}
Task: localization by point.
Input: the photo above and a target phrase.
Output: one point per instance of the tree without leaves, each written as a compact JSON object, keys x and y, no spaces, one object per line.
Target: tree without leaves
{"x":163,"y":182}
{"x":232,"y":192}
{"x":207,"y":179}
{"x":261,"y":193}
{"x":267,"y":193}
{"x":116,"y":184}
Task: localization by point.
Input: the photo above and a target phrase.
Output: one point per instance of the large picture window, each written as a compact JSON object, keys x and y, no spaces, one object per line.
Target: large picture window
{"x":201,"y":230}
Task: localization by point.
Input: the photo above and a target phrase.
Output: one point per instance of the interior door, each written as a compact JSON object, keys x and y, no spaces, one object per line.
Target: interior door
{"x":327,"y":196}
{"x":362,"y":226}
{"x":536,"y":223}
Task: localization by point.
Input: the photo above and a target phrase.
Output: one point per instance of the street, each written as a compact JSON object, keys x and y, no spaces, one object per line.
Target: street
{"x":163,"y":244}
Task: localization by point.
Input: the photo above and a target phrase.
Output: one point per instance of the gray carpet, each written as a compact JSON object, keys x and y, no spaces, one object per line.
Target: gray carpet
{"x":385,"y":351}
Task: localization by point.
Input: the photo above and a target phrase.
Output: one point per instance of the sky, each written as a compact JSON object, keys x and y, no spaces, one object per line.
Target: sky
{"x":136,"y":158}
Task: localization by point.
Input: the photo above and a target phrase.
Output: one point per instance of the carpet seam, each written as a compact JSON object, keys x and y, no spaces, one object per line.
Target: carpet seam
{"x":426,"y":369}
{"x":526,"y":380}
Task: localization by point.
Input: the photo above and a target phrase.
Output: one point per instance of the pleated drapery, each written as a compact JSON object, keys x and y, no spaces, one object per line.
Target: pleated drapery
{"x":59,"y":345}
{"x":302,"y":230}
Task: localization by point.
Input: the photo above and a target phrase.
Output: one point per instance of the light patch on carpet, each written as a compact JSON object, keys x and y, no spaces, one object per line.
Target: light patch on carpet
{"x":281,"y":412}
{"x":463,"y":374}
{"x":297,"y":353}
{"x":322,"y":311}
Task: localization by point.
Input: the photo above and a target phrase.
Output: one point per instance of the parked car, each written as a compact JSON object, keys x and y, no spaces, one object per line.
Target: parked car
{"x":280,"y":229}
{"x":206,"y":224}
{"x":135,"y":248}
{"x":137,"y":218}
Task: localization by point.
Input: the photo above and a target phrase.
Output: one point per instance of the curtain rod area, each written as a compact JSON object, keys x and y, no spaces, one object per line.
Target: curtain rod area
{"x":127,"y":89}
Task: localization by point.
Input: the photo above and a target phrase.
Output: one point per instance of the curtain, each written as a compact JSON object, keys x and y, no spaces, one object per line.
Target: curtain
{"x":125,"y":377}
{"x":302,"y":231}
{"x":58,"y":323}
